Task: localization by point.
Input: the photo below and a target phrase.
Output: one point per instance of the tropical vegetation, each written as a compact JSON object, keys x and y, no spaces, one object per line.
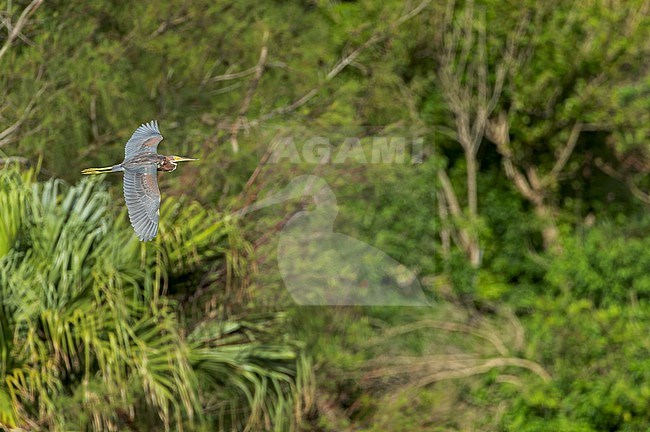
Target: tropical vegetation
{"x":498,"y":151}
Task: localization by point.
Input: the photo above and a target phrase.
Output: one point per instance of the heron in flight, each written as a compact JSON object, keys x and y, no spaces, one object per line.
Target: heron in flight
{"x":141,"y":162}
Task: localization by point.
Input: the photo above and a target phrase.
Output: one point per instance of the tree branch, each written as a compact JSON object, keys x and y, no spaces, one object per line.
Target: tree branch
{"x":484,"y":368}
{"x":231,"y":76}
{"x":566,"y":152}
{"x":22,"y":20}
{"x":338,"y":67}
{"x":445,"y":234}
{"x":629,"y":182}
{"x":447,"y":326}
{"x":450,"y":195}
{"x":243,"y":110}
{"x":464,"y":241}
{"x":5,"y":135}
{"x":172,"y":22}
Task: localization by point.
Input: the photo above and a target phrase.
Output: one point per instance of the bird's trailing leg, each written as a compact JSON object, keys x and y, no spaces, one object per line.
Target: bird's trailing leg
{"x":102,"y":170}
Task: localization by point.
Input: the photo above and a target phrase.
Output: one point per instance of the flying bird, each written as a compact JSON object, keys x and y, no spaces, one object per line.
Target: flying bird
{"x":140,"y":166}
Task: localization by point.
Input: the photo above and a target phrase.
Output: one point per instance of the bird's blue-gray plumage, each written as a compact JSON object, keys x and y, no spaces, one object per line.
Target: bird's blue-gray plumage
{"x":140,"y":166}
{"x":142,"y":200}
{"x":141,"y":182}
{"x":145,"y":139}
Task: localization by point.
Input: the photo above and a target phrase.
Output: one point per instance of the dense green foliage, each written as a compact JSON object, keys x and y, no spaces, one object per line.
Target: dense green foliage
{"x":520,"y":204}
{"x":83,"y":321}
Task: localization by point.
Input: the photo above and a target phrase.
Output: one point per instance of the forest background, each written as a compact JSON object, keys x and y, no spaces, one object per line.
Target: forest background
{"x":519,"y":203}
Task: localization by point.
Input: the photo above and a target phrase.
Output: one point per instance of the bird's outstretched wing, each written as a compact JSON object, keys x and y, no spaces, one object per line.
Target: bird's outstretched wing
{"x":144,"y":139}
{"x":142,"y":200}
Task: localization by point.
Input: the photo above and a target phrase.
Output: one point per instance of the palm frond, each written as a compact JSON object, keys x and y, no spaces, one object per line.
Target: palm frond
{"x":254,"y":383}
{"x":89,"y":341}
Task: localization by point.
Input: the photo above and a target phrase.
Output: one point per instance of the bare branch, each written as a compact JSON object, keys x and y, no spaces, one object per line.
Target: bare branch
{"x":253,"y":178}
{"x":509,"y":62}
{"x":487,"y":366}
{"x":463,"y":76}
{"x":445,"y":234}
{"x":447,"y":326}
{"x":498,"y":131}
{"x":468,"y":38}
{"x":463,"y":240}
{"x":628,"y":181}
{"x":448,"y":367}
{"x":517,"y":327}
{"x":243,"y":110}
{"x":450,"y":195}
{"x":567,"y":150}
{"x":93,"y":117}
{"x":345,"y":61}
{"x":7,"y":23}
{"x":482,"y":113}
{"x":170,"y":23}
{"x":17,"y":28}
{"x":339,"y":66}
{"x":231,"y":76}
{"x":5,"y":135}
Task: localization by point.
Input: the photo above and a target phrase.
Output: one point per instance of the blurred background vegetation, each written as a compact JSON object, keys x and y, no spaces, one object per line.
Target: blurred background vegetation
{"x":524,"y":215}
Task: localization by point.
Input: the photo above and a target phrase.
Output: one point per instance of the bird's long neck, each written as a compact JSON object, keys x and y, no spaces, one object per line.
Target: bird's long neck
{"x":166,"y":165}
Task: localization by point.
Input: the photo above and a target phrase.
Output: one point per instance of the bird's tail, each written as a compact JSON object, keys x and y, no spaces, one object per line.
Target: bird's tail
{"x":102,"y":170}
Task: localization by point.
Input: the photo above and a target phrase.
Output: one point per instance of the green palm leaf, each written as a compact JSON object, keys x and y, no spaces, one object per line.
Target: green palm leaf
{"x":88,"y":341}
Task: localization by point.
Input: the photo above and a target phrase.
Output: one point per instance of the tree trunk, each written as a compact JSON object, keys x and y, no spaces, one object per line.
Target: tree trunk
{"x":472,"y":204}
{"x":550,"y":232}
{"x":472,"y":199}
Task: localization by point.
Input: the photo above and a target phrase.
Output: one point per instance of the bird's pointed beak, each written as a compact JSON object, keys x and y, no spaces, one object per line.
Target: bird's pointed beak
{"x":183,"y":159}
